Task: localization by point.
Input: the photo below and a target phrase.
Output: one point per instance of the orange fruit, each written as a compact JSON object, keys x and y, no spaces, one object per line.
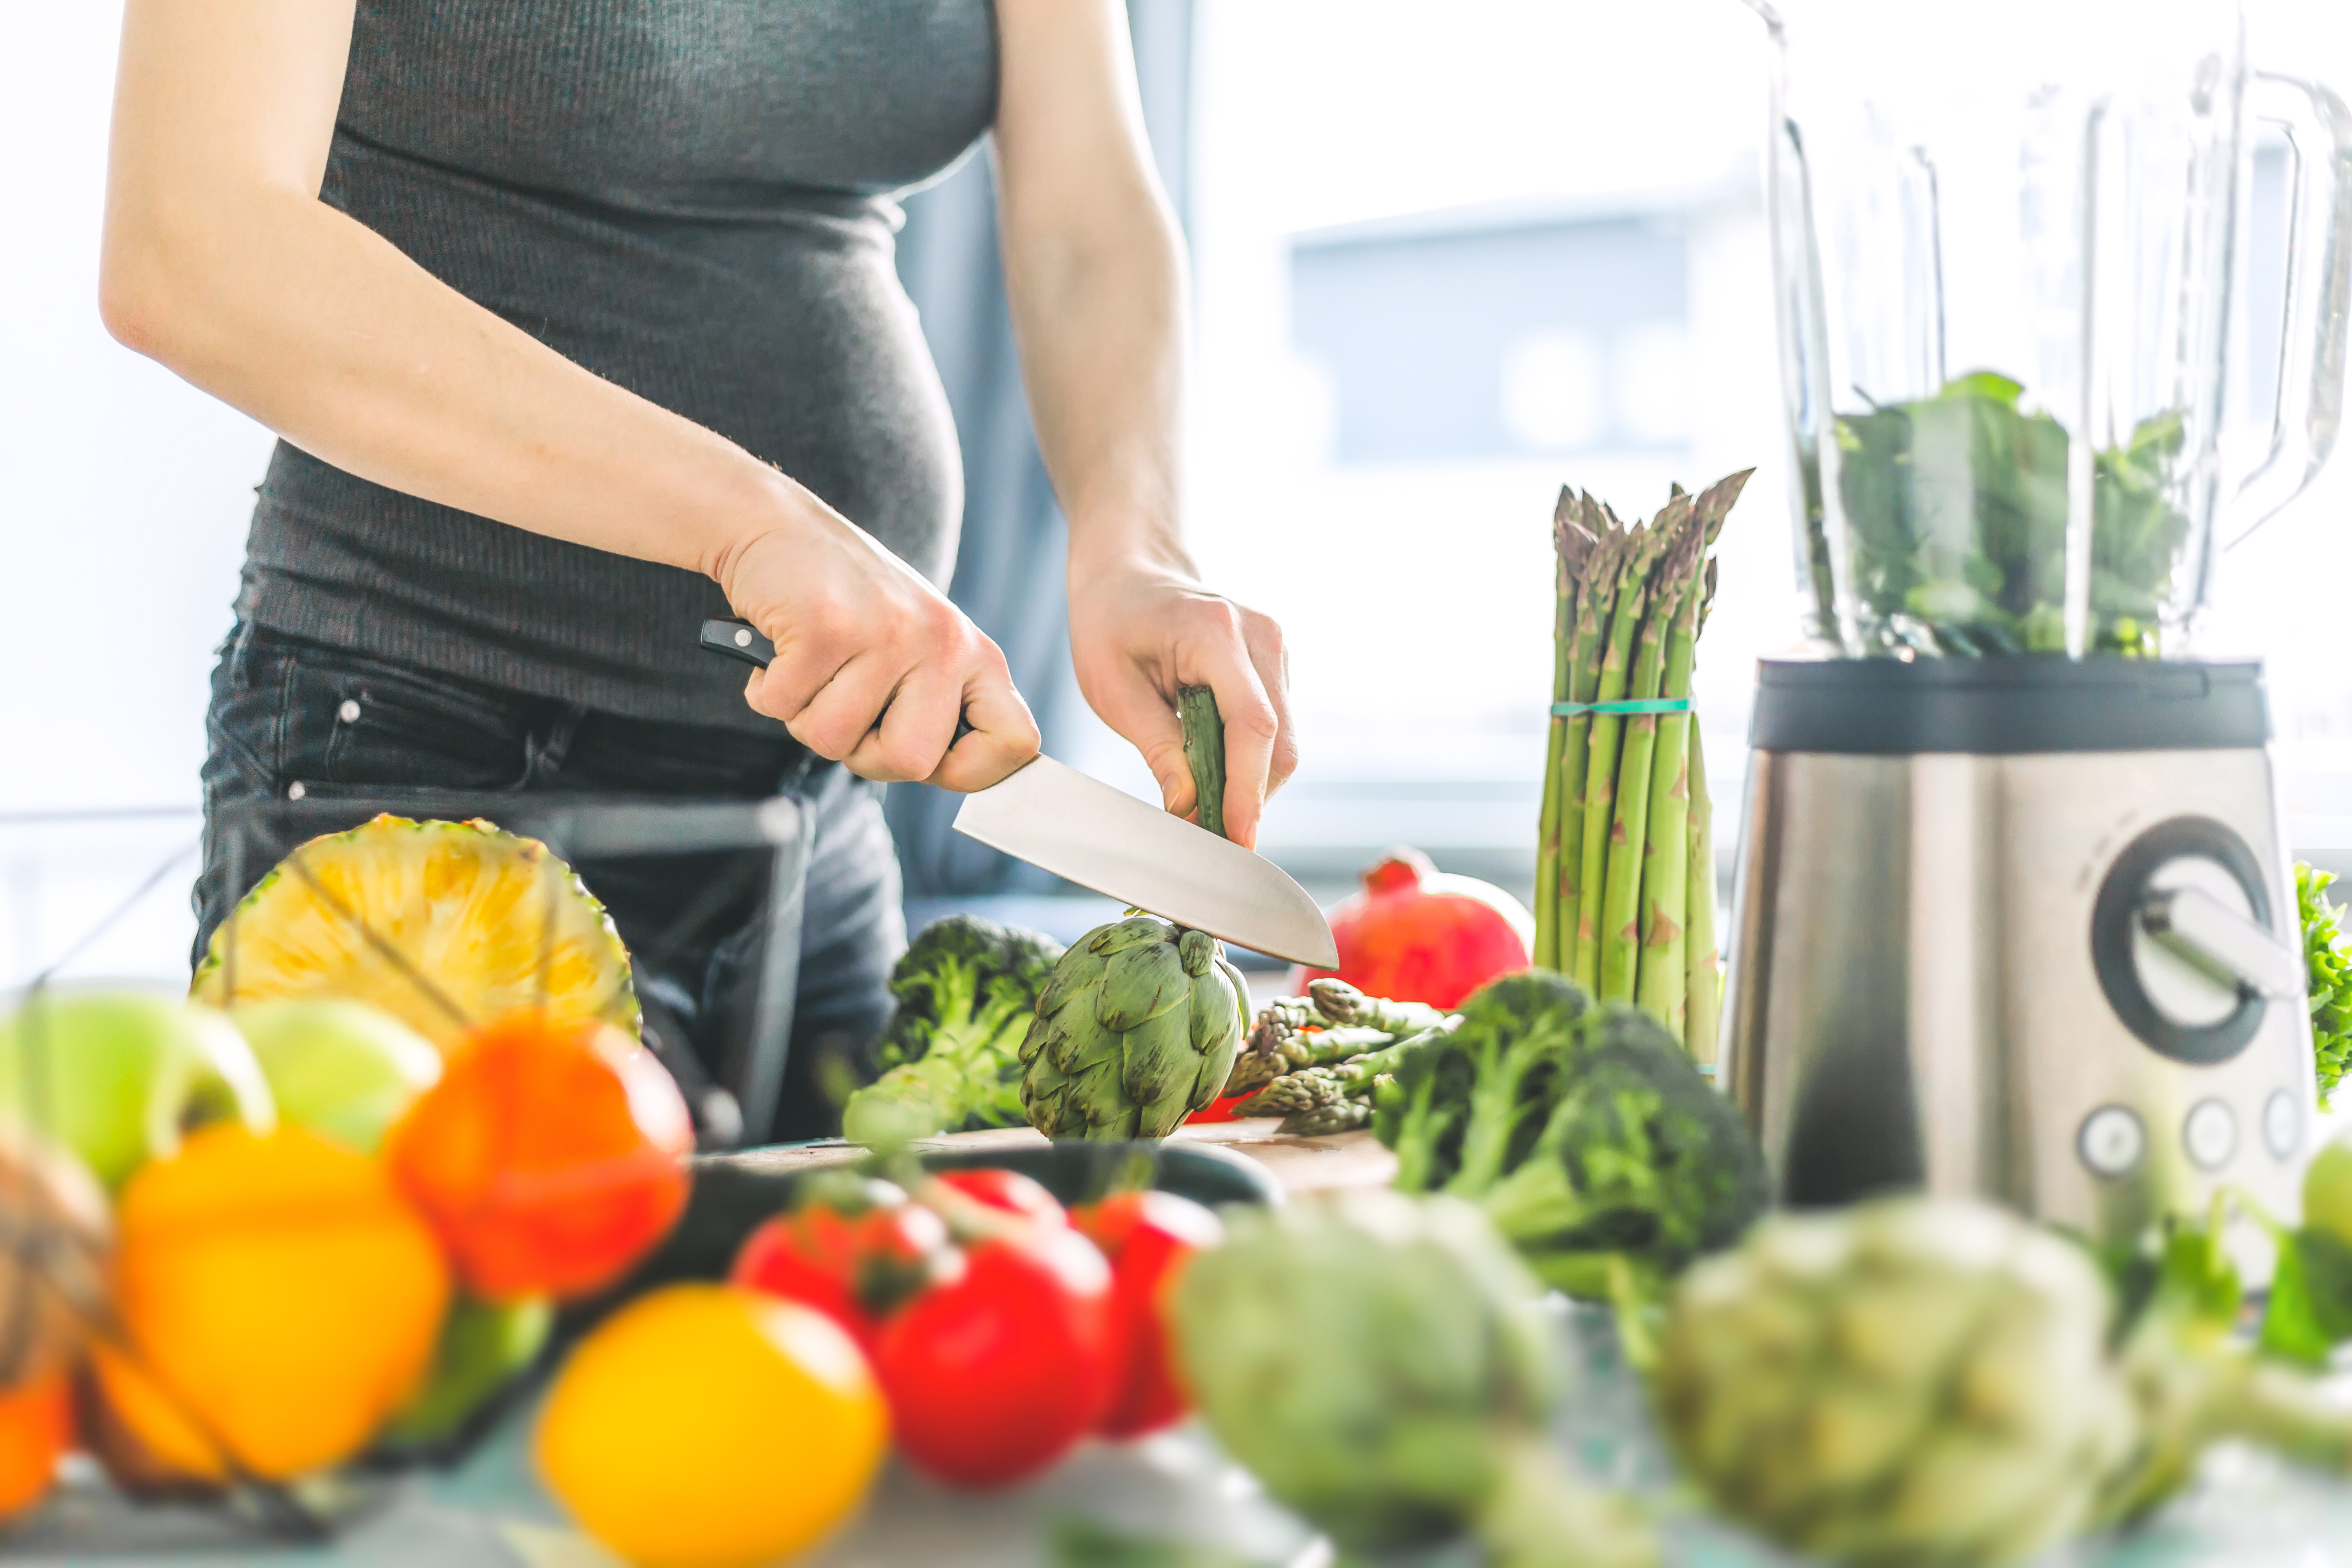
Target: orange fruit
{"x":712,"y":1427}
{"x":149,"y":1443}
{"x":550,"y":1156}
{"x":278,"y":1297}
{"x":37,"y":1427}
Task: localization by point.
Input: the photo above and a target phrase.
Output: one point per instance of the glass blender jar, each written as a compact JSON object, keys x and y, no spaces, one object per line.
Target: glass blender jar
{"x":2005,"y":245}
{"x":2012,"y":912}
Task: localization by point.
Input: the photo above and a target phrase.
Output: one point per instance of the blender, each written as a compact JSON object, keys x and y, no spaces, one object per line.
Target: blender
{"x":2012,"y":913}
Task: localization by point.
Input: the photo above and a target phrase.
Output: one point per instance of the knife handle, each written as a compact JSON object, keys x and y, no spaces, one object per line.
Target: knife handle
{"x":739,"y":640}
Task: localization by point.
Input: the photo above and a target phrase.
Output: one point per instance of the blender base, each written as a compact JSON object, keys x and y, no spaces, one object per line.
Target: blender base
{"x":1972,"y":918}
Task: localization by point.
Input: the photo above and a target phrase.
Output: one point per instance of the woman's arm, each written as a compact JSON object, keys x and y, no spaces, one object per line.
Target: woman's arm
{"x":1095,"y":273}
{"x":221,"y":262}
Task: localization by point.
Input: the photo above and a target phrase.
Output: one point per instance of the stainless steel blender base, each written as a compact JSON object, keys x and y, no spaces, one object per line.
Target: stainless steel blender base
{"x":1945,"y":974}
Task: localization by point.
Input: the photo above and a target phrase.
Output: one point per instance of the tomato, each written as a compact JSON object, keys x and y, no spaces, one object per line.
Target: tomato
{"x":1007,"y":1190}
{"x":549,"y":1158}
{"x":1146,"y":1237}
{"x":995,"y":1375}
{"x":852,"y":1253}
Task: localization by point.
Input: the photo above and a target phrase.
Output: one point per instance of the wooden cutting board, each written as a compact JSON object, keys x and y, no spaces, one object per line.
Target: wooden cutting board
{"x":1300,"y":1165}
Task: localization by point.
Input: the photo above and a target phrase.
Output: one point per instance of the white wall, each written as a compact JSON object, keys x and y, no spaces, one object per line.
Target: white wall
{"x":123,"y":496}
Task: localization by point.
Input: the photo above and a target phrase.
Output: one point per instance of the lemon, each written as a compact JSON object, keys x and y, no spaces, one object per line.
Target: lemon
{"x":711,"y":1426}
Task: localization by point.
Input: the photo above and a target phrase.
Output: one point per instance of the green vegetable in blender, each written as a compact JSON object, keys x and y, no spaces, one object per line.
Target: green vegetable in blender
{"x":2328,"y":952}
{"x":965,"y":989}
{"x":1385,"y":1367}
{"x":1139,"y":1028}
{"x":1585,"y":1133}
{"x":1958,"y":510}
{"x":1924,"y":1381}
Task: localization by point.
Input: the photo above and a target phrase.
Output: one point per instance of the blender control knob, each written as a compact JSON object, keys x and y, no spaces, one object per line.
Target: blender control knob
{"x":2283,"y":1123}
{"x":2211,"y":1135}
{"x":2113,"y":1141}
{"x":2186,"y":944}
{"x":2224,"y":944}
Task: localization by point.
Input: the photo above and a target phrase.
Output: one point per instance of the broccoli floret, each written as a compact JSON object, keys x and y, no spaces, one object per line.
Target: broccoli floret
{"x":1457,"y":1112}
{"x":1640,"y":1157}
{"x":1585,"y":1133}
{"x":951,"y":1056}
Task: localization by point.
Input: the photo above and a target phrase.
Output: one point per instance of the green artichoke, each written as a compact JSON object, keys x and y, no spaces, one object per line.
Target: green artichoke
{"x":1385,"y":1366}
{"x":1137,"y":1028}
{"x":1912,"y":1383}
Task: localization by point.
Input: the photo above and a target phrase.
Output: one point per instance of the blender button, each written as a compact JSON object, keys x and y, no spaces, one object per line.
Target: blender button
{"x":2283,"y":1123}
{"x":2211,"y":1135}
{"x":2112,"y":1140}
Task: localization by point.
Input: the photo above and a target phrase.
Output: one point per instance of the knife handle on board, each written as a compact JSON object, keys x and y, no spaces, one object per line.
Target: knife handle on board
{"x":737,"y":640}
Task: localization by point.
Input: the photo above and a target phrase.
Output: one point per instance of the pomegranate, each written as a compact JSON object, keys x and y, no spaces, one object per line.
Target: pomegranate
{"x":1419,"y":935}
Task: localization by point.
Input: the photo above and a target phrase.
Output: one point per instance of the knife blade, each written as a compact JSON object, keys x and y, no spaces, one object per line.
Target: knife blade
{"x":1083,"y":830}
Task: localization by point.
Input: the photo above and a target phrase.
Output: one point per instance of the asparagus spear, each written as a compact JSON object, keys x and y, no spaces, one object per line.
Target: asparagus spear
{"x":1661,"y":988}
{"x":1204,"y":749}
{"x":1703,"y":984}
{"x":1563,"y":656}
{"x":1600,"y":759}
{"x":1341,"y":1003}
{"x":1596,"y":598}
{"x":1620,"y":926}
{"x":1665,"y":900}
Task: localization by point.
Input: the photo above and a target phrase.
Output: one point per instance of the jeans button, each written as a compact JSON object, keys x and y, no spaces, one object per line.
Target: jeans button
{"x":349,"y":713}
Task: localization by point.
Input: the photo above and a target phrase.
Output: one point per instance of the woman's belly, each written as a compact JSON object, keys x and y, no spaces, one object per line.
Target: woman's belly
{"x":777,"y":322}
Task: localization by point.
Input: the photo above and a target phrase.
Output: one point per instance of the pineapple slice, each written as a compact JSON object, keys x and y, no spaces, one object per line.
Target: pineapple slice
{"x":445,"y":925}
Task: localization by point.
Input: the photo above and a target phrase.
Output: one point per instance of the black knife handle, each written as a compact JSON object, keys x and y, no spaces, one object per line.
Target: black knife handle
{"x":737,"y":640}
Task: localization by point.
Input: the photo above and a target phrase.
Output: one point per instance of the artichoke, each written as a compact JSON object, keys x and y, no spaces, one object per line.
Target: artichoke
{"x":1912,"y":1383}
{"x":1385,"y":1366}
{"x":1137,"y":1028}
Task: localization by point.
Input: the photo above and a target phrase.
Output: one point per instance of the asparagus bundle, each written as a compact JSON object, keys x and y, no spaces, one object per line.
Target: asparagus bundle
{"x":1314,"y":1060}
{"x":1625,"y":889}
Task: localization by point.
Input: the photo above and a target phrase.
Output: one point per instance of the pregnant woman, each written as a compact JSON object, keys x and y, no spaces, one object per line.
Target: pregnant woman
{"x":578,"y":322}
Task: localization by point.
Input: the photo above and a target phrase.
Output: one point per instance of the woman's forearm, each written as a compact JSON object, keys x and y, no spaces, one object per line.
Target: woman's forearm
{"x":1095,"y":273}
{"x":322,"y":330}
{"x":1102,"y":333}
{"x":221,"y":262}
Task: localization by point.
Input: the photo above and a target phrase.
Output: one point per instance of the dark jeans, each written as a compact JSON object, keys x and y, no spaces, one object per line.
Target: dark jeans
{"x":288,"y":713}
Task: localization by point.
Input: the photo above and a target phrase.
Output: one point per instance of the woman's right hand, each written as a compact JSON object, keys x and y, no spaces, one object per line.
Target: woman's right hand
{"x":872,"y":665}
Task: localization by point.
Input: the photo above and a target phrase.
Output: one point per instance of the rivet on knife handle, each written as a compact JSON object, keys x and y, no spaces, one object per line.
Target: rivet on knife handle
{"x":737,"y":640}
{"x":1204,"y":754}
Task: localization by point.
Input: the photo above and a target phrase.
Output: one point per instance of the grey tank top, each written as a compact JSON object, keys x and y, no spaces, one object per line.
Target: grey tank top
{"x":693,"y":199}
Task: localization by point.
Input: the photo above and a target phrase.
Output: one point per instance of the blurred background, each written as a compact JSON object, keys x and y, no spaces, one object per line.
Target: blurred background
{"x":1446,"y":259}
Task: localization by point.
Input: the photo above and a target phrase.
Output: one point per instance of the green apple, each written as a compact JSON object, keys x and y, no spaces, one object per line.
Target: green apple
{"x":484,"y":1346}
{"x":116,"y":1075}
{"x":2327,"y":1189}
{"x":344,"y":1069}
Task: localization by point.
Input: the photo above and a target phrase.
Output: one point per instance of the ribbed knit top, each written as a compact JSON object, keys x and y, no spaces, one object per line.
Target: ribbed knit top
{"x":693,"y":199}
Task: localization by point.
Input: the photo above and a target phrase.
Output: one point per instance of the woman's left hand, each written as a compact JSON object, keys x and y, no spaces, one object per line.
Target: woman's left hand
{"x":1140,"y":630}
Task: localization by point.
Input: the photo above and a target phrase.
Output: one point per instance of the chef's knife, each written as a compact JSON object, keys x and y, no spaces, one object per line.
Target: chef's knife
{"x":1080,"y":829}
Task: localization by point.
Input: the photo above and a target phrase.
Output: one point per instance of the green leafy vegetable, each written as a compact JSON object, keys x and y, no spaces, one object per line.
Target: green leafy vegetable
{"x":1923,"y":1380}
{"x":1957,"y":507}
{"x":1586,"y":1134}
{"x":966,"y":990}
{"x":2329,"y":956}
{"x":1387,"y":1369}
